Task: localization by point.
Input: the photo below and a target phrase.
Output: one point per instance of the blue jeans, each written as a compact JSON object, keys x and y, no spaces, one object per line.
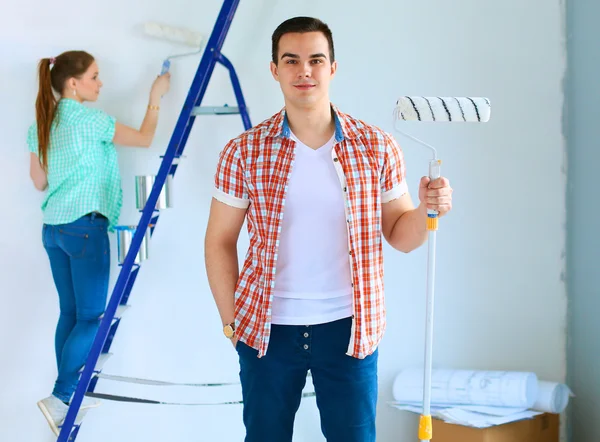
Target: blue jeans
{"x":345,"y":387}
{"x":80,"y":262}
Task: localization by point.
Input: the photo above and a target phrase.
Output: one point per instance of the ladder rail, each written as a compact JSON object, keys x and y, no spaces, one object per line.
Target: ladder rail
{"x":237,"y":89}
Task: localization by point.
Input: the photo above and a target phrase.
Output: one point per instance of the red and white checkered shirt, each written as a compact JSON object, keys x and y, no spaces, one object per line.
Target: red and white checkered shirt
{"x":253,"y":172}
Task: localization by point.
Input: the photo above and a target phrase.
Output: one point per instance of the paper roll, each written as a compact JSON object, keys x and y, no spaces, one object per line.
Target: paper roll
{"x":552,"y":397}
{"x":468,"y":387}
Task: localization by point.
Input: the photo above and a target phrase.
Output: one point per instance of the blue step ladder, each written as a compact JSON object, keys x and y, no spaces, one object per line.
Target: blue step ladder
{"x":149,"y":217}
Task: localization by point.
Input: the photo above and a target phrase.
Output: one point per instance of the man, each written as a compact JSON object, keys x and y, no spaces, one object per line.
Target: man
{"x":318,"y":189}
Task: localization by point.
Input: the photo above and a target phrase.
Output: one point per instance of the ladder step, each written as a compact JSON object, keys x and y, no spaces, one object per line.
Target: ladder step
{"x":215,"y":110}
{"x":100,"y":363}
{"x":121,"y":309}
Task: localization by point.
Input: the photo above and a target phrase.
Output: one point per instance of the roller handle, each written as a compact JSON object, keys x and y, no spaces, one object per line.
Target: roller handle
{"x":434,"y":173}
{"x":425,"y":423}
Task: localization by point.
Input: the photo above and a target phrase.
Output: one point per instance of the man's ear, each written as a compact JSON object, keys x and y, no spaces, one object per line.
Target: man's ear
{"x":333,"y":69}
{"x":274,"y":71}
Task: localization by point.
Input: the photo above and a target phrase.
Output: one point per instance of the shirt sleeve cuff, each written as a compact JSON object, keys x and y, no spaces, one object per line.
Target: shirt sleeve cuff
{"x":230,"y":200}
{"x":394,"y":193}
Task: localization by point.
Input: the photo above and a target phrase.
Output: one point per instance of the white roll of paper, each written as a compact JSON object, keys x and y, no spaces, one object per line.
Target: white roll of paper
{"x":552,"y":397}
{"x":468,"y":387}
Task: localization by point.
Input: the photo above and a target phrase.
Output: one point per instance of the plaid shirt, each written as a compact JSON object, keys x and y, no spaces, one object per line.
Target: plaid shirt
{"x":83,"y":168}
{"x":253,"y":173}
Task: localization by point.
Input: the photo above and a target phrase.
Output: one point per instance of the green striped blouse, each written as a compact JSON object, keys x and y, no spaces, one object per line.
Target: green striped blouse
{"x":83,"y":171}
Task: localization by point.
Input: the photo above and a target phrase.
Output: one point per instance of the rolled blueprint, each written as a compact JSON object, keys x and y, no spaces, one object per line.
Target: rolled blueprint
{"x":552,"y":397}
{"x":468,"y":387}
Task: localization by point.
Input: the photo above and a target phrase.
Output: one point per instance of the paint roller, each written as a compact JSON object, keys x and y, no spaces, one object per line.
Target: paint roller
{"x":440,"y":109}
{"x":176,"y":35}
{"x":435,"y":109}
{"x":444,"y":109}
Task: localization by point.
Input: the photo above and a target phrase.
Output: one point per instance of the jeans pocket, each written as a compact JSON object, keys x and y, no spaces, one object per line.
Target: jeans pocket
{"x":73,"y":242}
{"x":245,"y":351}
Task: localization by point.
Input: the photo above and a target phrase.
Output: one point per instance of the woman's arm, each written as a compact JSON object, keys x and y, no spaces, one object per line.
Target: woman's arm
{"x":128,"y":136}
{"x":37,"y":173}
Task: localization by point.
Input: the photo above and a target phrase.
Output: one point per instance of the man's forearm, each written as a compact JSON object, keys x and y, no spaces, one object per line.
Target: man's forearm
{"x":410,"y":230}
{"x":223,"y":271}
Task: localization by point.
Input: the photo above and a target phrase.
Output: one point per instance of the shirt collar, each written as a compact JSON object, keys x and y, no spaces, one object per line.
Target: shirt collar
{"x":65,"y":101}
{"x":344,"y":128}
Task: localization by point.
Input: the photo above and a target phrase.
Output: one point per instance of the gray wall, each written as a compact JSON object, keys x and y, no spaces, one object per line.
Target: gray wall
{"x":583,"y":219}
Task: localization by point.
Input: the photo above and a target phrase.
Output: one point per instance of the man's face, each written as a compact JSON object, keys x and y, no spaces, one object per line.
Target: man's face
{"x":304,"y":69}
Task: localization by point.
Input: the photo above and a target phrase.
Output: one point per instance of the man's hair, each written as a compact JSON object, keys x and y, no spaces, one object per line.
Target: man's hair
{"x":301,"y":25}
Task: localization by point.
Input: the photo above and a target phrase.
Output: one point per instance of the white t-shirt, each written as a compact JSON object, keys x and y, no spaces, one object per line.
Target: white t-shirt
{"x":313,"y":284}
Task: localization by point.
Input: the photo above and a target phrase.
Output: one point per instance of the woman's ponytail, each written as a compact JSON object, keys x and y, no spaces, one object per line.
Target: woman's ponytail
{"x":45,"y":108}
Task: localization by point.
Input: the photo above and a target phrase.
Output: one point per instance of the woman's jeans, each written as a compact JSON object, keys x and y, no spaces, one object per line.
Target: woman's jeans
{"x":79,"y":255}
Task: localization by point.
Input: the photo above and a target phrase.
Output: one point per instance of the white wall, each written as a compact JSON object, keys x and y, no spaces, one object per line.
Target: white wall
{"x":500,"y":298}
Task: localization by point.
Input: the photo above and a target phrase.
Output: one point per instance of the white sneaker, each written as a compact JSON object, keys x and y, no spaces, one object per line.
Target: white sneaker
{"x":54,"y":411}
{"x":89,"y":402}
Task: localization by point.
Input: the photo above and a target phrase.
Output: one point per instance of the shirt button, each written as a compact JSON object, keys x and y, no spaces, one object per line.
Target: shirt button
{"x":306,"y":335}
{"x":305,"y":347}
{"x":345,"y":189}
{"x":350,"y":252}
{"x":335,"y":159}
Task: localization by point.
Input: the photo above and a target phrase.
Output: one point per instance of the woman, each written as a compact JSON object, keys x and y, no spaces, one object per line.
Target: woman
{"x":74,"y":160}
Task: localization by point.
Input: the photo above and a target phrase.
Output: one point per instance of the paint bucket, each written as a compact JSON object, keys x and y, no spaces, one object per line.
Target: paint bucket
{"x":143,"y":188}
{"x":124,"y":238}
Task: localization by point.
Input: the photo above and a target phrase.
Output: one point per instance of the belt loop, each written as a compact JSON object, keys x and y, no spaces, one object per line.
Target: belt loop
{"x":93,"y":216}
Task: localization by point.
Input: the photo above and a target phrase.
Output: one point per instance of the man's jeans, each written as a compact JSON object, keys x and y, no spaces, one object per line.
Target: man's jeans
{"x":346,"y":387}
{"x":80,"y":262}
